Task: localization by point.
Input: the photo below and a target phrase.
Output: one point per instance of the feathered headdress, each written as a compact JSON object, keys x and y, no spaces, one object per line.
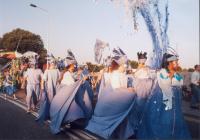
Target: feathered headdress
{"x":98,"y":50}
{"x":119,"y":56}
{"x":174,"y":55}
{"x":70,"y":59}
{"x":142,"y":55}
{"x":51,"y":58}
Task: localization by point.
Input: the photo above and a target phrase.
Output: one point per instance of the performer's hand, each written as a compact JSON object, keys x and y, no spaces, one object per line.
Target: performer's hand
{"x":23,"y":85}
{"x":42,"y":87}
{"x":85,"y":78}
{"x":131,"y":89}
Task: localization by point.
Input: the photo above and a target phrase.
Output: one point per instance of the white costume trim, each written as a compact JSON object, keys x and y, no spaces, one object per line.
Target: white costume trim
{"x":166,"y":84}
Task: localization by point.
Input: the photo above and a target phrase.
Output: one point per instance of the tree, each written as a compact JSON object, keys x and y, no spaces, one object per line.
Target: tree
{"x":179,"y":69}
{"x":191,"y":70}
{"x":134,"y":64}
{"x":0,"y":43}
{"x":27,"y":41}
{"x":94,"y":67}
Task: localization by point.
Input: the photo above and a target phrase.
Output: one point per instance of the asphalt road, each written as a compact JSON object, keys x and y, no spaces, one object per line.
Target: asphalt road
{"x":16,"y":124}
{"x":193,"y":126}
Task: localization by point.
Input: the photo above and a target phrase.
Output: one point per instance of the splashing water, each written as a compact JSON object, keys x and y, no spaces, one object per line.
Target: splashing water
{"x":155,"y":14}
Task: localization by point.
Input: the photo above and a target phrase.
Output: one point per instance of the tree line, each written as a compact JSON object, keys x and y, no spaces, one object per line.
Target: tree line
{"x":21,"y":40}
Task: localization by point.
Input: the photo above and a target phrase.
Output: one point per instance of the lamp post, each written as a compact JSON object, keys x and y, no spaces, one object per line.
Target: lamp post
{"x":45,"y":11}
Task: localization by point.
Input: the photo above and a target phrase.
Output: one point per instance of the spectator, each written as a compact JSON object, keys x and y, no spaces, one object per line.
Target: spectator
{"x":9,"y":85}
{"x":195,"y":87}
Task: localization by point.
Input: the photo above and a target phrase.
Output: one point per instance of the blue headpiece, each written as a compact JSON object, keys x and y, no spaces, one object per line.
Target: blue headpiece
{"x":70,"y":59}
{"x":51,"y":59}
{"x":119,"y":57}
{"x":172,"y":52}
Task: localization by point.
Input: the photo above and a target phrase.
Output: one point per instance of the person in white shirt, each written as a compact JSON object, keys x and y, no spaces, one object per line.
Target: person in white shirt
{"x":68,"y":78}
{"x":33,"y":77}
{"x":195,"y":87}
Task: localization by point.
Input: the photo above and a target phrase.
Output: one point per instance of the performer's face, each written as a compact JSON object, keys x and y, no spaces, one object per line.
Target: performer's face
{"x":174,"y":65}
{"x":114,"y":66}
{"x":122,"y":68}
{"x":142,"y":61}
{"x":71,"y":68}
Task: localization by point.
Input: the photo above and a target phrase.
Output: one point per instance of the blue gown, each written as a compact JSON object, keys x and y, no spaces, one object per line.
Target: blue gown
{"x":143,"y":89}
{"x":143,"y":83}
{"x":111,"y":118}
{"x":163,"y":119}
{"x":44,"y":108}
{"x":51,"y":78}
{"x":71,"y":102}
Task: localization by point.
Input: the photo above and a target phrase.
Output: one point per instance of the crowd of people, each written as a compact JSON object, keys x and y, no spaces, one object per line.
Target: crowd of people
{"x":113,"y":103}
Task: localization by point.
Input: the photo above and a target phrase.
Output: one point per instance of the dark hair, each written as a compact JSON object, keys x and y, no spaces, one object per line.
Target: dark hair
{"x":114,"y":65}
{"x":196,"y":66}
{"x":67,"y":67}
{"x":142,"y":55}
{"x":165,"y":63}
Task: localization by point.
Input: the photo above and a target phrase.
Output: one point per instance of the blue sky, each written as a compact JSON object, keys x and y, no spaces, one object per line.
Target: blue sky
{"x":76,"y":24}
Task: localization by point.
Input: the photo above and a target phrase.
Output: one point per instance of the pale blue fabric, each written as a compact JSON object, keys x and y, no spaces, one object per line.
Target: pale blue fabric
{"x":51,"y":78}
{"x":64,"y":108}
{"x":143,"y":89}
{"x":111,"y":115}
{"x":44,"y":108}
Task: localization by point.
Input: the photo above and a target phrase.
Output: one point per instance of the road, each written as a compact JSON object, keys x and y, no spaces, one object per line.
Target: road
{"x":16,"y":124}
{"x":194,"y":126}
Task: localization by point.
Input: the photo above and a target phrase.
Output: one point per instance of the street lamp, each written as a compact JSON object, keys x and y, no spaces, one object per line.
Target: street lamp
{"x":45,"y":11}
{"x":35,"y":6}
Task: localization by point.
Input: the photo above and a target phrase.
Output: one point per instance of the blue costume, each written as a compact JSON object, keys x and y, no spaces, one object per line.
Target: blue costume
{"x":112,"y":114}
{"x":71,"y":102}
{"x":73,"y":99}
{"x":111,"y":118}
{"x":143,"y":84}
{"x":163,"y":118}
{"x":50,"y":78}
{"x":144,"y":78}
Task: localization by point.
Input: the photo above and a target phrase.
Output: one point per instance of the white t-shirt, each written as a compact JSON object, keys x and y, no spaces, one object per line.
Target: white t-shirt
{"x":33,"y":76}
{"x":195,"y":77}
{"x":118,"y":80}
{"x":67,"y":79}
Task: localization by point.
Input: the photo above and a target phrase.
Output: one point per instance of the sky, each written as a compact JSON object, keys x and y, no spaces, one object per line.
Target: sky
{"x":76,"y":24}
